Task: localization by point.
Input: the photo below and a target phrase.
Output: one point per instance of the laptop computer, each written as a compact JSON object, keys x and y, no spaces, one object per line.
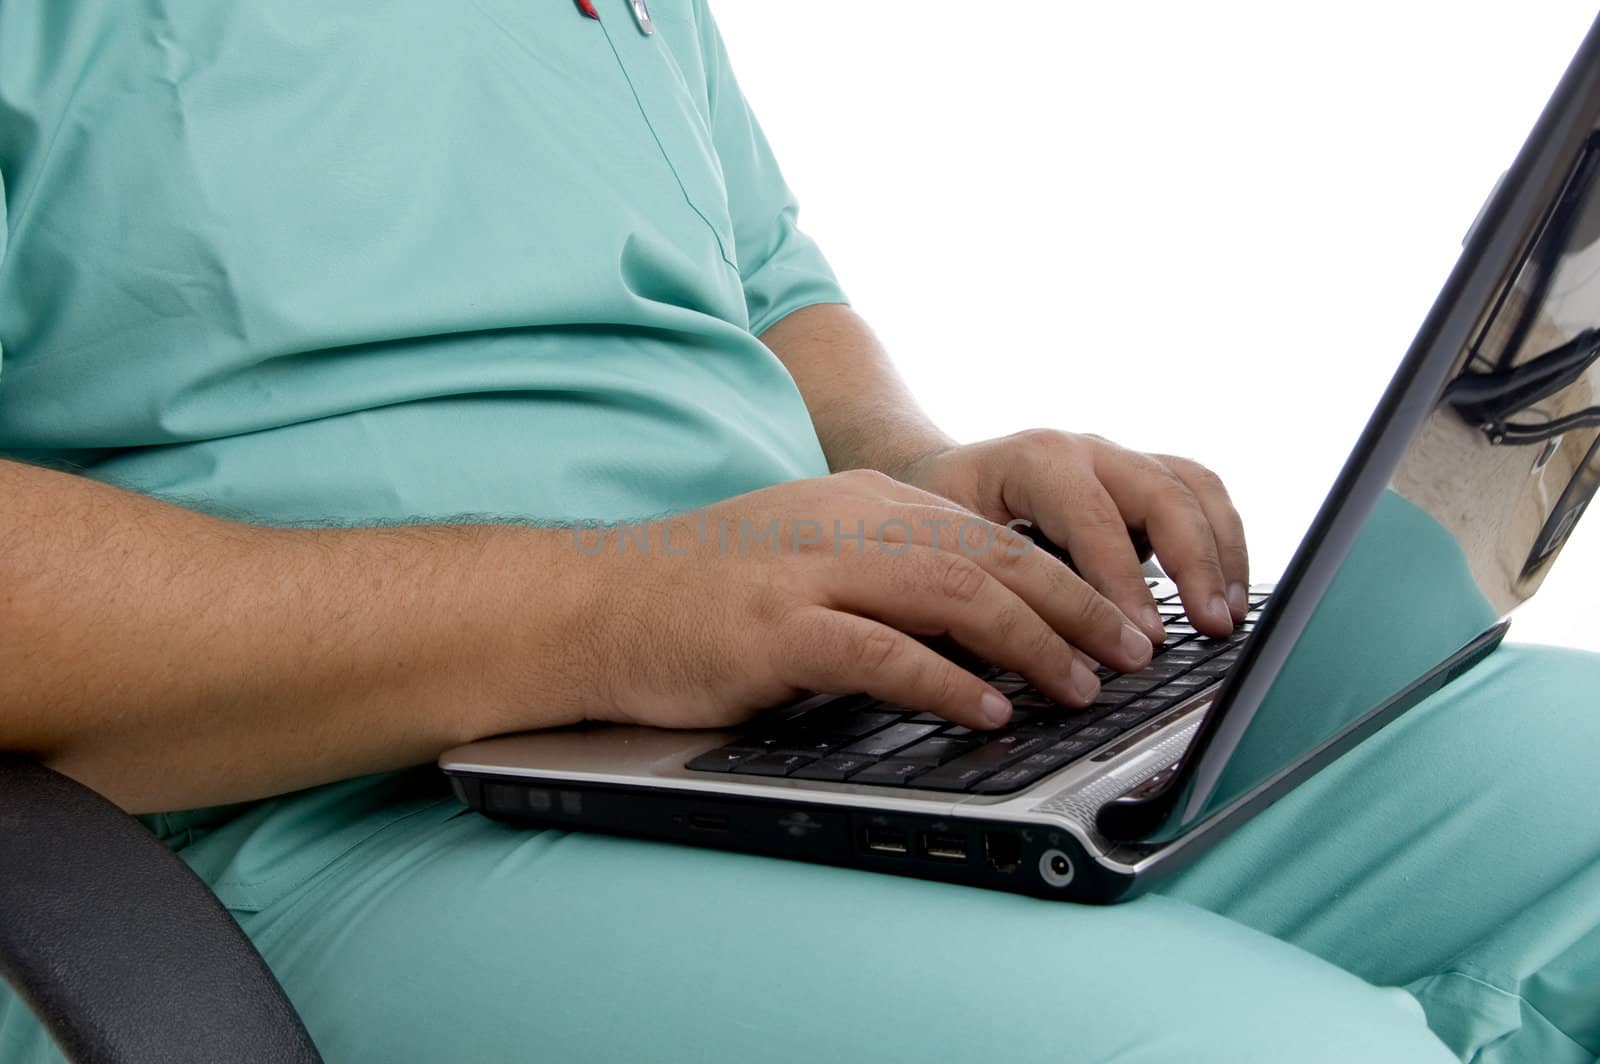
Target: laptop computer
{"x":1469,"y":477}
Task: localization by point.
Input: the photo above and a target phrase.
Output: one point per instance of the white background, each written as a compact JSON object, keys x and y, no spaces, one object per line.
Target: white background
{"x":1203,"y":229}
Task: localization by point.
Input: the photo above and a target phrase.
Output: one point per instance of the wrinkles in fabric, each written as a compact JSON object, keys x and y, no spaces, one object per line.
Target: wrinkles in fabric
{"x":244,"y":221}
{"x":1455,"y":853}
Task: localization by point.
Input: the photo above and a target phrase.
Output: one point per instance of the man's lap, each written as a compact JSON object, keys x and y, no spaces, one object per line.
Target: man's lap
{"x":1435,"y":857}
{"x":1457,"y":854}
{"x":458,"y":938}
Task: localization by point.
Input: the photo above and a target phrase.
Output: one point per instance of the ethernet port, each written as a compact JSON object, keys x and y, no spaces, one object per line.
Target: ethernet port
{"x":1004,"y":851}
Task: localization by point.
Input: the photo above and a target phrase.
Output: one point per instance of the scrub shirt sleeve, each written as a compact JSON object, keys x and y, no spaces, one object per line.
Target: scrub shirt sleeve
{"x":781,"y":268}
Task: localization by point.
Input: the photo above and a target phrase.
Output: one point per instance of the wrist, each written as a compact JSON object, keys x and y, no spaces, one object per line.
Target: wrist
{"x":920,"y":466}
{"x":891,"y":439}
{"x":517,"y":606}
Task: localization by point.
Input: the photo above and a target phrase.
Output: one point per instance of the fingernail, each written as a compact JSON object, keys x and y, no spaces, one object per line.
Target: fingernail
{"x":996,"y":708}
{"x":1084,"y":681}
{"x":1219,"y":609}
{"x":1136,"y":644}
{"x":1237,"y":599}
{"x":1152,"y":623}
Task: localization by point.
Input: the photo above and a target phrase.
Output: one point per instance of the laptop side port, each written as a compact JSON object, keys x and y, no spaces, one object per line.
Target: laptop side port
{"x":708,"y":822}
{"x":887,"y":840}
{"x":944,"y":847}
{"x":1004,"y":851}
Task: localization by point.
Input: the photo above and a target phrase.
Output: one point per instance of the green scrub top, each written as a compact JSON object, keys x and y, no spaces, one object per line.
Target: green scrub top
{"x":331,"y":261}
{"x":341,"y":262}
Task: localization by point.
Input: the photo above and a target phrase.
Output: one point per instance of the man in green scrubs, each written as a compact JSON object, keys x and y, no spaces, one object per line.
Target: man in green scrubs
{"x":319,"y":321}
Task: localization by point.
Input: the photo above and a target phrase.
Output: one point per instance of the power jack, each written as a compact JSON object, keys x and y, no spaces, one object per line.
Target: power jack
{"x":1055,"y":868}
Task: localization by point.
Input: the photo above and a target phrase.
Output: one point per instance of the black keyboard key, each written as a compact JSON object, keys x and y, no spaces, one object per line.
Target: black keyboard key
{"x":793,"y":741}
{"x":799,"y":744}
{"x":1009,"y":779}
{"x":1135,"y":713}
{"x":1188,"y":654}
{"x":1059,"y":724}
{"x":1123,"y":719}
{"x":893,"y":772}
{"x":1053,"y":757}
{"x":887,"y":741}
{"x":1005,"y":748}
{"x":952,"y":777}
{"x":858,"y":724}
{"x":771,"y":764}
{"x":1174,"y":692}
{"x":722,"y":759}
{"x":824,"y":719}
{"x":937,"y":749}
{"x":1097,"y":733}
{"x":835,"y":767}
{"x":956,"y":729}
{"x":1132,"y":684}
{"x":1072,"y":748}
{"x":1158,"y":671}
{"x":1009,"y":684}
{"x":1106,"y":701}
{"x":960,"y":774}
{"x":825,"y":716}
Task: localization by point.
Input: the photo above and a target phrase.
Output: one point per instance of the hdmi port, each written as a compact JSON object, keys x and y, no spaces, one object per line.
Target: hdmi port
{"x":887,"y":840}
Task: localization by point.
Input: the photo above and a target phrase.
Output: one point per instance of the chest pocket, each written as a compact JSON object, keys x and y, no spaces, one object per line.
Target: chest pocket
{"x":671,"y":98}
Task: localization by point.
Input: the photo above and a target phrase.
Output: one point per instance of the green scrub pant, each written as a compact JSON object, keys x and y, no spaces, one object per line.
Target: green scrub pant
{"x":1433,"y":895}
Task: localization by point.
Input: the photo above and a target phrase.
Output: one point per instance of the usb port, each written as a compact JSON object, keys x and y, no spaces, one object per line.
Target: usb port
{"x":887,"y":840}
{"x":945,"y":847}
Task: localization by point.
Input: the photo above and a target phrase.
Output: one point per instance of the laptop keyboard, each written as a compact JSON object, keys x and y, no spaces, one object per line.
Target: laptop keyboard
{"x":862,"y":740}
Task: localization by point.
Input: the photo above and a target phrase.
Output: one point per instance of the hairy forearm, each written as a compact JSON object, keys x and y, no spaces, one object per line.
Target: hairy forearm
{"x":864,"y":415}
{"x":171,"y":659}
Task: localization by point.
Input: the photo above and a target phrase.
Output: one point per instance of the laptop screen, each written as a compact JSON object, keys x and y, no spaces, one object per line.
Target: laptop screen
{"x":1467,"y":481}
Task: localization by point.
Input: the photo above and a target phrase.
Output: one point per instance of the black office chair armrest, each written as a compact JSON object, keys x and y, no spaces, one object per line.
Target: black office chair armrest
{"x":121,"y":951}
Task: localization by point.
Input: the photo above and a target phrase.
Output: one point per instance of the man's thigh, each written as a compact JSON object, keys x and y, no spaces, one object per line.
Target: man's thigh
{"x":461,"y":939}
{"x":1456,"y":853}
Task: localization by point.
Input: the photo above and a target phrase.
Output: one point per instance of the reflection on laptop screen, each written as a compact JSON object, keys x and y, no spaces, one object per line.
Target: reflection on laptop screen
{"x":1485,"y":494}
